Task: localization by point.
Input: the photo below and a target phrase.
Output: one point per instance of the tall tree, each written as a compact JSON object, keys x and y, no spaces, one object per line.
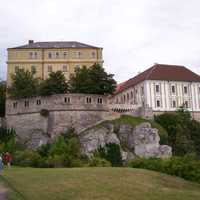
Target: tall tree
{"x":2,"y":98}
{"x":55,"y":84}
{"x":93,"y":80}
{"x":24,"y":85}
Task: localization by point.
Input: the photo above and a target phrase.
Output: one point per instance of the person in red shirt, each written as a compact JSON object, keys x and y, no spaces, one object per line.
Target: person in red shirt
{"x":7,"y":159}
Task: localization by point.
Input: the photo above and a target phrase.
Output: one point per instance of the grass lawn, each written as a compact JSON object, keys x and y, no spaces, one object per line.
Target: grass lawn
{"x":96,"y":184}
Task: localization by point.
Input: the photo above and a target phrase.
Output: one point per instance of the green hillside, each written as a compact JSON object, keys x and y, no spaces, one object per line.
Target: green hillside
{"x":98,"y":184}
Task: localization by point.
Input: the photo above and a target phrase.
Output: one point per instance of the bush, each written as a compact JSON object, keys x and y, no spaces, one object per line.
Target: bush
{"x":187,"y":167}
{"x":99,"y":162}
{"x":27,"y":158}
{"x":183,"y":132}
{"x":111,"y":152}
{"x":7,"y":140}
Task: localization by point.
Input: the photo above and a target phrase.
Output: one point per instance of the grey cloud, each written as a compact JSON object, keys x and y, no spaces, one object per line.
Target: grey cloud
{"x":134,"y":34}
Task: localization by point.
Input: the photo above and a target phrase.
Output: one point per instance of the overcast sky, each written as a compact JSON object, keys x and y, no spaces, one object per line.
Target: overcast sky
{"x":134,"y":34}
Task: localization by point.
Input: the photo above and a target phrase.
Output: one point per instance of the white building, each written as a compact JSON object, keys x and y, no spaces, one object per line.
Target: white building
{"x":162,"y":88}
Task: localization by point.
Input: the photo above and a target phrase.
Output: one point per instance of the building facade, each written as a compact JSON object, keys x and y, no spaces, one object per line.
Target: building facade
{"x":45,"y":57}
{"x":162,"y":88}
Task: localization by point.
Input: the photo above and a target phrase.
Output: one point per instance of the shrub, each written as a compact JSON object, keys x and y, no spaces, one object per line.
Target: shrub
{"x":111,"y":152}
{"x":187,"y":167}
{"x":99,"y":162}
{"x":27,"y":158}
{"x":7,"y":140}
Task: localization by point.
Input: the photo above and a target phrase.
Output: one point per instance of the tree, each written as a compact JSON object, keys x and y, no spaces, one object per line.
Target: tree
{"x":55,"y":84}
{"x":183,"y":132}
{"x":24,"y":85}
{"x":93,"y":80}
{"x":2,"y":98}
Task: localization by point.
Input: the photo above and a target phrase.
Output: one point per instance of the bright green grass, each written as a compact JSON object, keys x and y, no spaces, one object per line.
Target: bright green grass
{"x":98,"y":184}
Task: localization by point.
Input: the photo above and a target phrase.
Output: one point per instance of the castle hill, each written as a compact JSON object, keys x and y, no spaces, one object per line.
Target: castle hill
{"x":85,"y":115}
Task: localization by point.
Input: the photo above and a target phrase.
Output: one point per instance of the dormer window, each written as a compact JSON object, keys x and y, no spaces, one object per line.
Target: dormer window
{"x":67,"y":99}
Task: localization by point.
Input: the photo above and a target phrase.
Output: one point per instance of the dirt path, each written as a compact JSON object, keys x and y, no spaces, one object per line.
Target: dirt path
{"x":3,"y":192}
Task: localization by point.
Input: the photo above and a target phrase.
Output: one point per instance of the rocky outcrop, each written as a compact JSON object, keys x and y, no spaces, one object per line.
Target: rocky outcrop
{"x":141,"y":140}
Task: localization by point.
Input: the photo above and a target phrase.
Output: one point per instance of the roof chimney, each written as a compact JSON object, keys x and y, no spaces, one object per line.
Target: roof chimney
{"x":30,"y":41}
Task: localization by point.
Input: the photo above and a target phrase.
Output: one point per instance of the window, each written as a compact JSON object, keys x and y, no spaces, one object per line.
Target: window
{"x":99,"y":100}
{"x":127,"y":96}
{"x":157,"y":88}
{"x":16,"y":68}
{"x":15,"y":105}
{"x":131,"y":94}
{"x":50,"y":68}
{"x":50,"y":55}
{"x":185,"y":89}
{"x":88,"y":100}
{"x":64,"y":68}
{"x":31,"y":55}
{"x":173,"y":104}
{"x":57,"y":54}
{"x":124,"y":98}
{"x":78,"y":54}
{"x":65,"y":54}
{"x":173,"y":89}
{"x":26,"y":103}
{"x":93,"y":54}
{"x":38,"y":102}
{"x":35,"y":55}
{"x":158,"y":103}
{"x":77,"y":67}
{"x":186,"y":105}
{"x":142,"y":90}
{"x":67,"y":100}
{"x":33,"y":69}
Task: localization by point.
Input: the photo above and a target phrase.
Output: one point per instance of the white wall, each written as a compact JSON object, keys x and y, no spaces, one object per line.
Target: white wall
{"x":165,"y":95}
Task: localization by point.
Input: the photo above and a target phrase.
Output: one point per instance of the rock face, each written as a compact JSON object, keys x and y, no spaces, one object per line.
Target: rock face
{"x":141,"y":141}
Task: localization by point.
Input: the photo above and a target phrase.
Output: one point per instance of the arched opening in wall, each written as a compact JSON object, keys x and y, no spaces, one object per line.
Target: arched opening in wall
{"x":99,"y":100}
{"x":67,"y":100}
{"x":38,"y":102}
{"x":26,"y":103}
{"x":88,"y":100}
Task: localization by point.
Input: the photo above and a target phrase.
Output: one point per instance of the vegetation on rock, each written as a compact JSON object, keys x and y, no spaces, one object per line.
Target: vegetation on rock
{"x":183,"y":132}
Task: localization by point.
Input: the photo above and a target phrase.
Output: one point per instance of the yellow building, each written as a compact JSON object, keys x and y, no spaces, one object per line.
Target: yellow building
{"x":45,"y":57}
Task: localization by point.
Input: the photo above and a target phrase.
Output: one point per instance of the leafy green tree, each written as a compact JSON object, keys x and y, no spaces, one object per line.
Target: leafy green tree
{"x":55,"y":84}
{"x":92,"y":80}
{"x":24,"y":85}
{"x":2,"y":98}
{"x":183,"y":132}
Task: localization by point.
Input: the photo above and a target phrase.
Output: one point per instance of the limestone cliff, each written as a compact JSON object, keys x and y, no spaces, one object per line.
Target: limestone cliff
{"x":141,"y":140}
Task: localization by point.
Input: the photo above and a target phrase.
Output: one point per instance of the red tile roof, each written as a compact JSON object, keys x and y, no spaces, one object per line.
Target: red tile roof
{"x":161,"y":72}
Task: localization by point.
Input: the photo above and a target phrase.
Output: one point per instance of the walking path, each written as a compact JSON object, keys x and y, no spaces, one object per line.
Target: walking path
{"x":3,"y":192}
